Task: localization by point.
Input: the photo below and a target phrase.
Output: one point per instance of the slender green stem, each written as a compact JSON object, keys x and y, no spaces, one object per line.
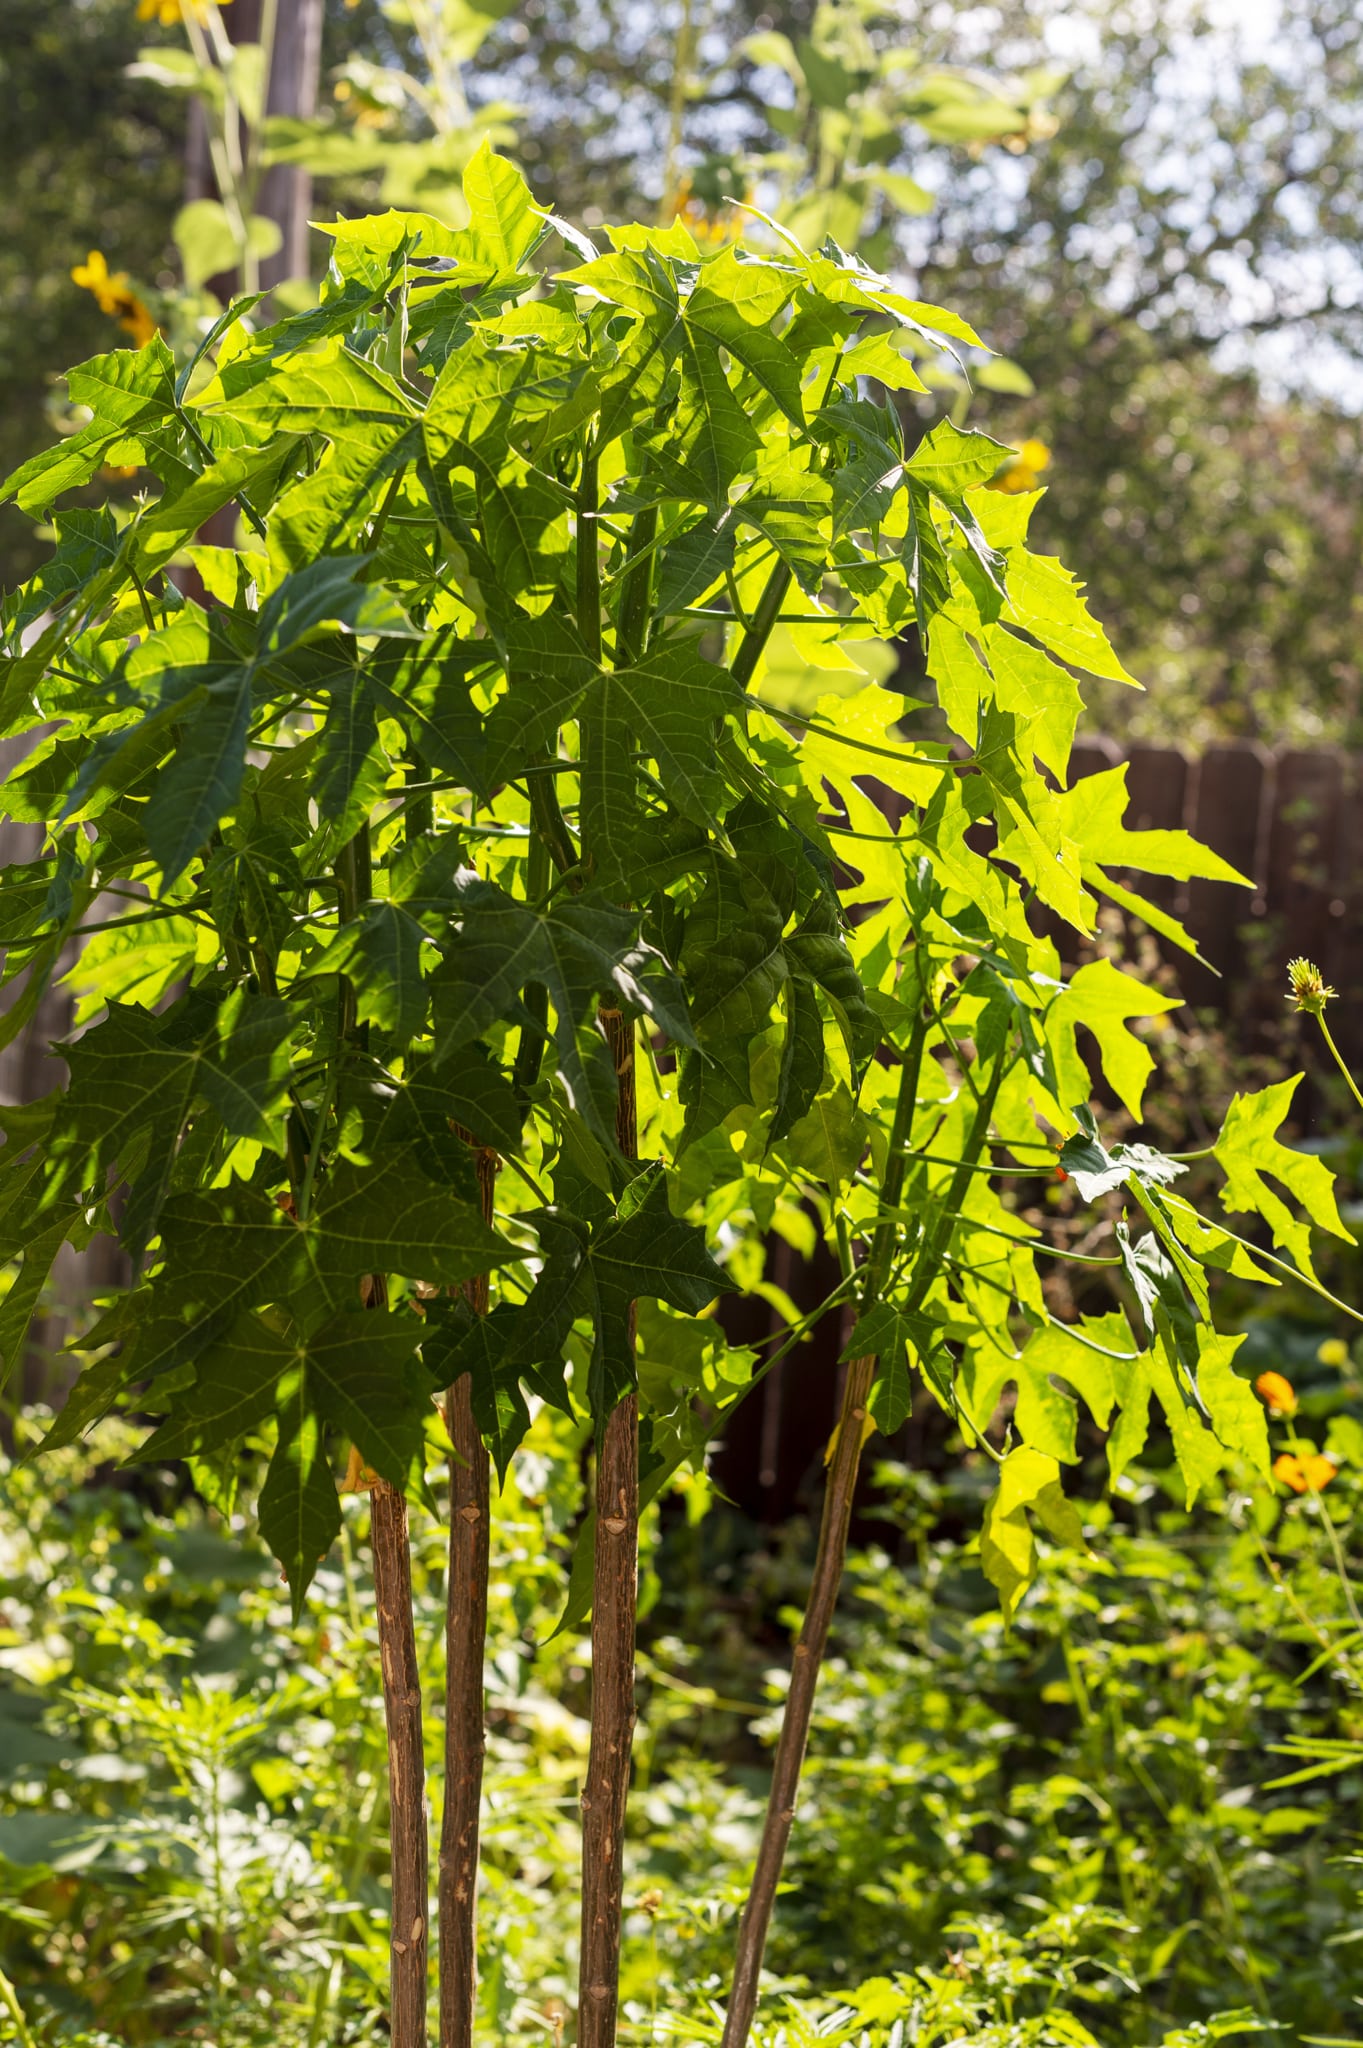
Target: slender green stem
{"x":929,"y":1258}
{"x":754,"y":640}
{"x":550,"y":825}
{"x":846,"y":1256}
{"x":534,"y":1031}
{"x":1269,"y":1259}
{"x":1030,"y":1244}
{"x":113,"y":924}
{"x":419,"y":803}
{"x":1341,"y":1563}
{"x":304,"y":1197}
{"x":636,"y":590}
{"x":381,"y":517}
{"x":676,"y":113}
{"x":660,"y":540}
{"x":588,"y":557}
{"x":269,"y":17}
{"x":1338,"y":1057}
{"x":882,"y":1245}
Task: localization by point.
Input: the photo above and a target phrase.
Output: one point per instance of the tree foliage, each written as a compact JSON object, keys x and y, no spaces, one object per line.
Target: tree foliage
{"x":351,"y":847}
{"x":474,"y":748}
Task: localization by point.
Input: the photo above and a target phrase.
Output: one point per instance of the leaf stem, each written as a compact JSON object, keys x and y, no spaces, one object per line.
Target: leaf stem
{"x":303,"y":1199}
{"x":1269,"y":1259}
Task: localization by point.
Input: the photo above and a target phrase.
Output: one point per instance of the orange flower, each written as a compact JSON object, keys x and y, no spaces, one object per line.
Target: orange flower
{"x":1278,"y":1394}
{"x":1311,"y":1474}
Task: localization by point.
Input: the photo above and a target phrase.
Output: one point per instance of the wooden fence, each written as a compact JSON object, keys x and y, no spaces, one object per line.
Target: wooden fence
{"x":1293,"y":823}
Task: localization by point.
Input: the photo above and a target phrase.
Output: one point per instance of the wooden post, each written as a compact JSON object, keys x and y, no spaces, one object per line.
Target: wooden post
{"x":284,"y":193}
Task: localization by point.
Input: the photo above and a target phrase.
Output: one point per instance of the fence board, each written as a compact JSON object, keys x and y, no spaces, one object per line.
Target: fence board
{"x":1343,"y":948}
{"x":1230,"y":809}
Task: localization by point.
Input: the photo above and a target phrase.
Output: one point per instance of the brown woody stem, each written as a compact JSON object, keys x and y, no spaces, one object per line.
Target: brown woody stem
{"x":465,"y":1640}
{"x":614,"y":1595}
{"x":406,"y":1762}
{"x":804,"y":1678}
{"x":830,"y":1556}
{"x":392,"y":1552}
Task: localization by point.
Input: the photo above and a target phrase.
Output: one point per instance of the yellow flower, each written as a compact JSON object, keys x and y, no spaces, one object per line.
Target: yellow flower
{"x":1306,"y":987}
{"x":1278,"y":1393}
{"x":712,"y":227}
{"x":1023,"y":470}
{"x":93,"y":276}
{"x":1311,"y":1474}
{"x":1334,"y":1351}
{"x":168,"y":12}
{"x":115,"y":296}
{"x":137,"y":319}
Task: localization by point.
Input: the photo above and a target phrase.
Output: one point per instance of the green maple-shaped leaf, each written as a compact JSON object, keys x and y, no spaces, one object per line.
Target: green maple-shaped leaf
{"x":299,"y":1511}
{"x":462,"y":1342}
{"x":1249,"y":1148}
{"x":136,"y":1080}
{"x":641,"y":1252}
{"x":1029,"y":1486}
{"x":232,"y":1249}
{"x":1106,"y":1002}
{"x":357,"y":1370}
{"x":381,"y":953}
{"x":580,"y":948}
{"x":665,"y":706}
{"x":131,"y":397}
{"x":503,"y":218}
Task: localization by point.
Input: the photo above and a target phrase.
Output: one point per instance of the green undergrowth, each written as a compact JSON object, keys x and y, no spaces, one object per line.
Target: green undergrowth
{"x":1072,"y":1832}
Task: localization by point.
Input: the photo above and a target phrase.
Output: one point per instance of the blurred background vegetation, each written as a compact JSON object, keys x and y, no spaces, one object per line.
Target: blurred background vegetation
{"x":1153,"y":207}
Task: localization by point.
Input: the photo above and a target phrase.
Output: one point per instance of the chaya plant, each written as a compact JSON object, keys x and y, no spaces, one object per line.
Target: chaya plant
{"x":460,"y":826}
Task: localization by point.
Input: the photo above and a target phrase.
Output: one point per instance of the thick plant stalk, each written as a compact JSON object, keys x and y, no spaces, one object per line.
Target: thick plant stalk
{"x":465,"y":1640}
{"x":839,"y":1492}
{"x":390,"y":1544}
{"x":406,"y":1762}
{"x":804,"y":1678}
{"x":614,"y":1597}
